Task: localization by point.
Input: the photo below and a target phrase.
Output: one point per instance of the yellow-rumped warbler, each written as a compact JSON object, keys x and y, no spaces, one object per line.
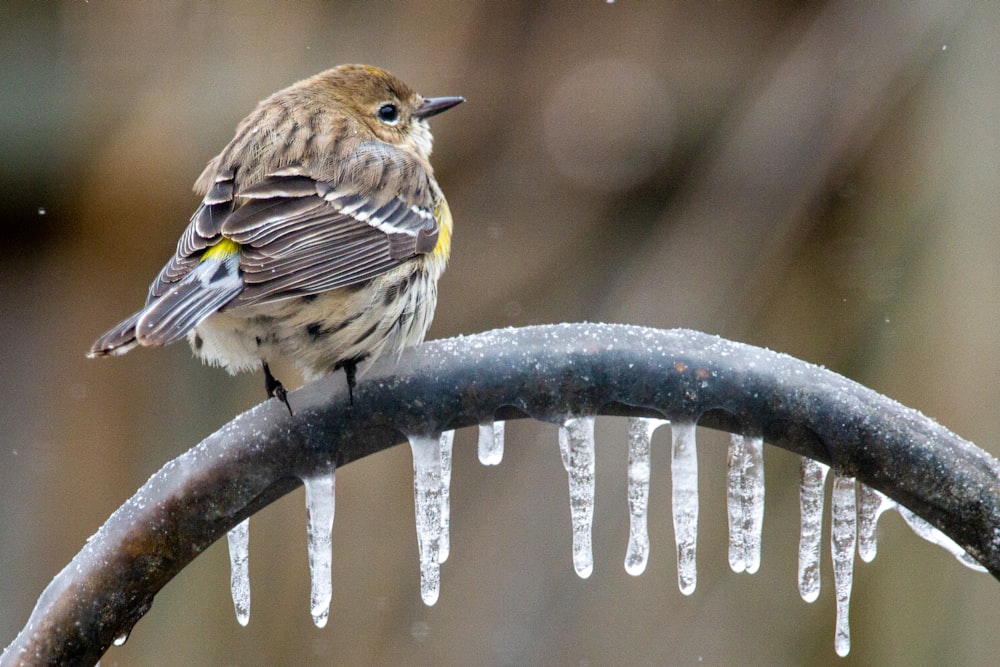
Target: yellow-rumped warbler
{"x":321,"y":236}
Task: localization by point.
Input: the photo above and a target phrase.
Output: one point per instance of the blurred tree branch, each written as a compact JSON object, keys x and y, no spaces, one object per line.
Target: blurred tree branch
{"x":548,"y":373}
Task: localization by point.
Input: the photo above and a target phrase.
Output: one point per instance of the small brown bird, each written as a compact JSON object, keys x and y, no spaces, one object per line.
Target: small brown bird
{"x":321,"y":236}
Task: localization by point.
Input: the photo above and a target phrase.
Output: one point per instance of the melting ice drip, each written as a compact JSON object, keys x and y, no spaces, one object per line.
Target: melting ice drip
{"x":428,"y":498}
{"x":811,"y":483}
{"x":854,"y":514}
{"x":854,"y":518}
{"x":576,"y":444}
{"x":640,"y":434}
{"x":491,"y":443}
{"x":319,"y":517}
{"x":239,"y":568}
{"x":432,"y":497}
{"x":745,"y":501}
{"x":446,"y":441}
{"x":684,"y":477}
{"x":843,"y":540}
{"x":320,"y":500}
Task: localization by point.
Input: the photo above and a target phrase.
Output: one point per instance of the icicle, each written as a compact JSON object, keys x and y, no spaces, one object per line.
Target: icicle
{"x":239,"y":568}
{"x":745,"y":500}
{"x":734,"y":501}
{"x":871,"y":505}
{"x":491,"y":443}
{"x":640,"y":432}
{"x":447,"y":440}
{"x":576,"y":443}
{"x":427,"y":491}
{"x":684,"y":477}
{"x":843,"y":540}
{"x":935,"y":536}
{"x":812,"y":482}
{"x":564,"y":446}
{"x":320,"y":502}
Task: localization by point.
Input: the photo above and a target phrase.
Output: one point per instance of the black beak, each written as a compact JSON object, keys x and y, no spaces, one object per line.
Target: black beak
{"x":432,"y":106}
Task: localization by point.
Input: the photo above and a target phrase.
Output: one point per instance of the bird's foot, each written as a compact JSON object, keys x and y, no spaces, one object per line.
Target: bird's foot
{"x":275,"y":389}
{"x":351,"y":371}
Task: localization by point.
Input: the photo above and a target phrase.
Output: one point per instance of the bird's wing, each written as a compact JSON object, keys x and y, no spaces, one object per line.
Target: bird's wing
{"x":206,"y":288}
{"x":307,"y":228}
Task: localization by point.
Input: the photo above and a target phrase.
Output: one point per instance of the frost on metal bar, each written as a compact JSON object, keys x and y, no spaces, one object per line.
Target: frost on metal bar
{"x":811,"y":485}
{"x":928,"y":532}
{"x":640,"y":433}
{"x":447,"y":443}
{"x":320,"y":501}
{"x":576,"y":444}
{"x":745,"y":501}
{"x":843,"y":540}
{"x":427,"y":493}
{"x":871,"y":505}
{"x":239,"y":569}
{"x":684,"y":477}
{"x":491,"y":443}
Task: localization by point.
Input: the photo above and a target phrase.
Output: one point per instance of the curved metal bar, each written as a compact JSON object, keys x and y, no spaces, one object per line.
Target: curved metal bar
{"x":545,"y":372}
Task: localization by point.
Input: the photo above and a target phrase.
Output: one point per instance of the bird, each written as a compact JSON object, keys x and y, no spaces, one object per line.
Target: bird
{"x":320,"y":237}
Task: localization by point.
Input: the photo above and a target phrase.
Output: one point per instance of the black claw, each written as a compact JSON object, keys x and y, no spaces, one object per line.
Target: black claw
{"x":274,"y":388}
{"x":351,"y":371}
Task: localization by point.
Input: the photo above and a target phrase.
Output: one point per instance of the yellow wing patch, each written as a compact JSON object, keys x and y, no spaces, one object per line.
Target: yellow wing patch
{"x":224,"y":249}
{"x":443,"y":216}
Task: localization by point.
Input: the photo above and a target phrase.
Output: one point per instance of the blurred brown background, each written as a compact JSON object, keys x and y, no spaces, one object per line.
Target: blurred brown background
{"x":818,"y":178}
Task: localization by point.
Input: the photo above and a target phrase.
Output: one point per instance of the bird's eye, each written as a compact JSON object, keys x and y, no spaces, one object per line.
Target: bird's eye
{"x":388,"y":113}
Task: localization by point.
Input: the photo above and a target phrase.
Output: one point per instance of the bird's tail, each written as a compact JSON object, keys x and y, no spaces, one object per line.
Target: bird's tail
{"x":169,"y":317}
{"x":118,"y":340}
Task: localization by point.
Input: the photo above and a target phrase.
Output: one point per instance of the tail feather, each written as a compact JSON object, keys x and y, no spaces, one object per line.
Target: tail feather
{"x":207,"y":288}
{"x":118,"y":340}
{"x":173,"y":315}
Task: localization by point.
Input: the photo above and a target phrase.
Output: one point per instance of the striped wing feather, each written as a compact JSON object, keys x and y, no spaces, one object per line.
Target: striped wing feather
{"x":305,"y":229}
